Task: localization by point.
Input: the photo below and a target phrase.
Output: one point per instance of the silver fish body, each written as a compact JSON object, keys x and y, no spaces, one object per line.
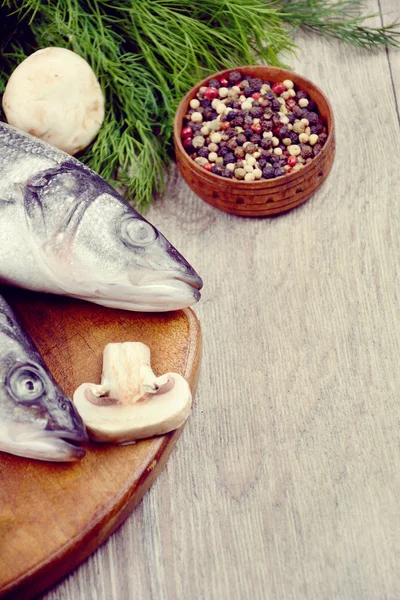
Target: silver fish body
{"x":37,"y":420}
{"x":64,"y":230}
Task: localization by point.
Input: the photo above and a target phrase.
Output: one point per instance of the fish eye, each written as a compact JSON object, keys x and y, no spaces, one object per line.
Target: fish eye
{"x":26,"y":383}
{"x":137,"y":232}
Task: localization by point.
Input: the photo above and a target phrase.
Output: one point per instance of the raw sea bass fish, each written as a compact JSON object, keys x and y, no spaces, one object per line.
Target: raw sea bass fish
{"x":64,"y":230}
{"x":36,"y":418}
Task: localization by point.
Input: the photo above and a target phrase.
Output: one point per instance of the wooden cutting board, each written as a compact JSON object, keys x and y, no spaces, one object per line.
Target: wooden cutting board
{"x":52,"y":516}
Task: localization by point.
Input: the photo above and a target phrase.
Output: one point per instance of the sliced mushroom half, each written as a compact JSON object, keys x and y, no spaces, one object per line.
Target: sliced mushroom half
{"x":132,"y":403}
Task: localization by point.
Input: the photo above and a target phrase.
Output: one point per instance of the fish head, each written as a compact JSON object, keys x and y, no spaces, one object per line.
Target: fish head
{"x":101,"y":249}
{"x":40,"y":421}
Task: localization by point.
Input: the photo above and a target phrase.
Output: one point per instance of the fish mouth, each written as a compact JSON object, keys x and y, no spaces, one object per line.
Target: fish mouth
{"x":155,"y":292}
{"x":24,"y":439}
{"x":193,"y":281}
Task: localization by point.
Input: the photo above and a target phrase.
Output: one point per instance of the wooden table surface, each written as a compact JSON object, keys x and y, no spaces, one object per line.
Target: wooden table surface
{"x":285,"y":484}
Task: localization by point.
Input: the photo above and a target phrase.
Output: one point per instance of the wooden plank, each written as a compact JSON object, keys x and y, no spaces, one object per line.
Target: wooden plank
{"x":288,"y":485}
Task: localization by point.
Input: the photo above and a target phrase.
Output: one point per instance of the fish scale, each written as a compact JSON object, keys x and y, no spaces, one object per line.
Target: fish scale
{"x":65,"y":230}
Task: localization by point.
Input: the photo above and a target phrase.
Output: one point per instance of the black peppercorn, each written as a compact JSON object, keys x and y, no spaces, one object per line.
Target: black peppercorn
{"x":266,"y":125}
{"x":318,"y":129}
{"x":190,"y":149}
{"x":256,"y":112}
{"x":231,"y":144}
{"x":284,"y":132}
{"x":300,"y":94}
{"x":231,"y":115}
{"x":238,"y":122}
{"x":203,"y":152}
{"x":312,"y":106}
{"x":306,"y":151}
{"x":227,"y":173}
{"x":205,"y":103}
{"x":248,"y":91}
{"x":298,"y":112}
{"x":276,"y":120}
{"x":237,"y":104}
{"x":255,"y":138}
{"x":234,"y":77}
{"x":312,"y":118}
{"x":317,"y":149}
{"x":294,"y":137}
{"x":217,"y":169}
{"x":248,"y":120}
{"x":268,"y":172}
{"x":275,"y":105}
{"x":256,"y":83}
{"x":322,"y":138}
{"x":291,"y":117}
{"x":279,"y":172}
{"x":262,"y":162}
{"x":223,"y":151}
{"x":214,"y":83}
{"x":270,"y":96}
{"x":266,"y":143}
{"x":230,"y":132}
{"x":241,"y":139}
{"x":229,"y":158}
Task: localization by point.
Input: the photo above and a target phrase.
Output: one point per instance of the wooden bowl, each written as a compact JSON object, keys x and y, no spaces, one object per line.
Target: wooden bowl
{"x":267,"y":196}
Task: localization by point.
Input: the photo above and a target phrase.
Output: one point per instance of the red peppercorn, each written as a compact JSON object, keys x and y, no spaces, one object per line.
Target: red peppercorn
{"x":208,"y":167}
{"x":224,"y":82}
{"x":186,"y":142}
{"x":256,"y":127}
{"x":292,"y":161}
{"x":211,"y":93}
{"x":256,"y":95}
{"x":225,"y":125}
{"x":291,"y":103}
{"x":186,"y":132}
{"x":277,"y":129}
{"x":278,"y":88}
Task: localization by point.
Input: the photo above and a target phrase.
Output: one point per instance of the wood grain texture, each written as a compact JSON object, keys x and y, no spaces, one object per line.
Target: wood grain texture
{"x":53,"y":516}
{"x":288,"y":483}
{"x":389,"y":10}
{"x":264,"y":197}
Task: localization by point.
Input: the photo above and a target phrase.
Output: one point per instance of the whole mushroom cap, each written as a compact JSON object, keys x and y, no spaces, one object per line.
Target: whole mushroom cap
{"x":55,"y":96}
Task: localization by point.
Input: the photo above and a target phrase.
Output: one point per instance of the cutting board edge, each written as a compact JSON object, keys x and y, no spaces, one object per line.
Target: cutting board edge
{"x":37,"y":580}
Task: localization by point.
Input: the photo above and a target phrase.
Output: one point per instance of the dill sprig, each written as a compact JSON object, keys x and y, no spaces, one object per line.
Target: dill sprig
{"x":342,"y":20}
{"x":148,"y":53}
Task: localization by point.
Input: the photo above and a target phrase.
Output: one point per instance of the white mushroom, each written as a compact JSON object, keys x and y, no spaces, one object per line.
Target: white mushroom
{"x":55,"y":96}
{"x":131,"y":403}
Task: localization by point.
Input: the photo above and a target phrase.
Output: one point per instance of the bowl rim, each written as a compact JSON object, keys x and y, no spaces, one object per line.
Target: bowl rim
{"x":261,"y":182}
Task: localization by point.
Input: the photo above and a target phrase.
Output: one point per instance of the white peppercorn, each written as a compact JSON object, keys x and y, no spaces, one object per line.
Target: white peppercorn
{"x":294,"y":150}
